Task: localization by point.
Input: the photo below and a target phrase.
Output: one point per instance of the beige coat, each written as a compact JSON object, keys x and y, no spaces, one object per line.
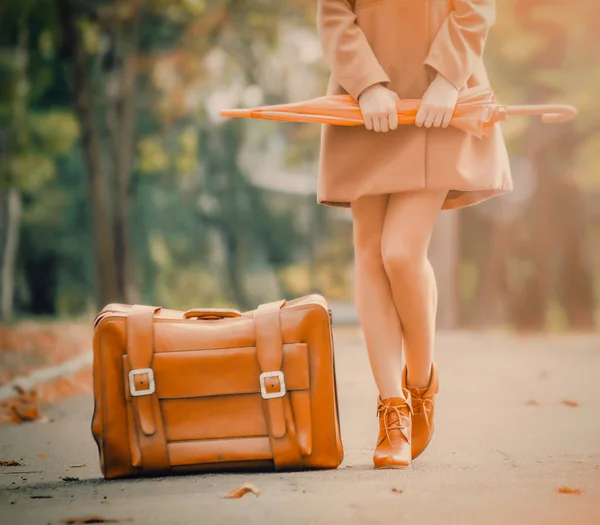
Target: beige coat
{"x":403,"y":44}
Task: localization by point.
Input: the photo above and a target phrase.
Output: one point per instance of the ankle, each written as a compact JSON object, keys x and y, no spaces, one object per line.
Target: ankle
{"x":418,"y":381}
{"x":392,"y":394}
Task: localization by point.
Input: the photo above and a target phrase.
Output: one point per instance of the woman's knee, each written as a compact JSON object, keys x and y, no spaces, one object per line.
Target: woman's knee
{"x":400,"y":260}
{"x":367,"y":252}
{"x":368,"y":218}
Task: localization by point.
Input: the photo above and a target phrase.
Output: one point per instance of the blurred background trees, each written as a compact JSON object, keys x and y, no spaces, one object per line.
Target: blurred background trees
{"x":119,"y":181}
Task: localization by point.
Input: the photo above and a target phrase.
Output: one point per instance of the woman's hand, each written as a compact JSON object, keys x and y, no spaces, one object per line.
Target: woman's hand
{"x":438,"y":104}
{"x":378,"y":106}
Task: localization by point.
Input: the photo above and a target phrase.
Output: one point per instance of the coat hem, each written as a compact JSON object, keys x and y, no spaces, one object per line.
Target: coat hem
{"x":454,"y":200}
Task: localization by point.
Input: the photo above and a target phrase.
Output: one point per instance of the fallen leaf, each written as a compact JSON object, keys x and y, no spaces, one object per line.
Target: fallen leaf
{"x":570,"y":403}
{"x":568,"y":490}
{"x":23,"y":408}
{"x":11,"y":464}
{"x":94,"y":519}
{"x":398,"y":491}
{"x":532,"y":402}
{"x":28,"y":413}
{"x":24,"y":412}
{"x":41,"y":455}
{"x":242,"y":490}
{"x":20,"y":390}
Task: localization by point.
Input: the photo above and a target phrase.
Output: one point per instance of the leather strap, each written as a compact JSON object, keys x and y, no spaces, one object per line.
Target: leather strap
{"x":140,"y":352}
{"x":278,"y":410}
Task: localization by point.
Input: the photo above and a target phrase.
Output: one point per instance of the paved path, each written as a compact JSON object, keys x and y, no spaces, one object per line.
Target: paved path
{"x":495,"y":459}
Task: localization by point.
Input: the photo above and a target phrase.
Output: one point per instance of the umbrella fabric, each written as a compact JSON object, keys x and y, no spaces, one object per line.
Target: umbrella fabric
{"x":476,"y":111}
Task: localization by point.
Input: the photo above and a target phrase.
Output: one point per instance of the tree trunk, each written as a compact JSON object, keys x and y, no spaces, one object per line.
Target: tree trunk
{"x":444,"y":253}
{"x":551,"y":150}
{"x":121,"y":115}
{"x":9,"y":253}
{"x":576,"y":288}
{"x":9,"y":191}
{"x":531,"y":289}
{"x":492,"y":278}
{"x":235,"y":269}
{"x":106,"y":275}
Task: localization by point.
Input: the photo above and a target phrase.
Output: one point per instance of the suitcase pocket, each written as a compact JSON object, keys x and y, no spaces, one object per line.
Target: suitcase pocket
{"x":212,"y":408}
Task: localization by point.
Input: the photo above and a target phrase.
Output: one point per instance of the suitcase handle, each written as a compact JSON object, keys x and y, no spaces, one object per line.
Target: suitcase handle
{"x":211,"y":313}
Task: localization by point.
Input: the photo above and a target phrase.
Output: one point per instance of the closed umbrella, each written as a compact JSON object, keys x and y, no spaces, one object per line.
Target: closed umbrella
{"x":476,"y":111}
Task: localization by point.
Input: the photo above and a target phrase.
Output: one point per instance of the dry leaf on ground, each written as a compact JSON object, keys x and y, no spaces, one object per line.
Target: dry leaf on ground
{"x":532,"y":402}
{"x":22,"y":408}
{"x":242,"y":490}
{"x":27,"y":413}
{"x":569,"y":490}
{"x":26,"y":405}
{"x":570,"y":403}
{"x":41,"y":455}
{"x":94,"y":519}
{"x":11,"y":464}
{"x":397,"y":491}
{"x":20,"y":390}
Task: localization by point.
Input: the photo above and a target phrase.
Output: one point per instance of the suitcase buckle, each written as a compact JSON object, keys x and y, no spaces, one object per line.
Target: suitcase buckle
{"x":263,"y":388}
{"x":151,"y":385}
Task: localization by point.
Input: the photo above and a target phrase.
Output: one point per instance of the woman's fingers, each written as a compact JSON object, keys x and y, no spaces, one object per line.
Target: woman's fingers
{"x":433,"y":117}
{"x":447,"y":119}
{"x":378,"y":108}
{"x":429,"y":119}
{"x":393,"y":119}
{"x":437,"y":104}
{"x":384,"y":124}
{"x":439,"y":118}
{"x":421,"y":115}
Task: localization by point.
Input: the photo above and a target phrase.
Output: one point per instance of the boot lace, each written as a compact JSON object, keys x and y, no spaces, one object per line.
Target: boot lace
{"x":421,"y":404}
{"x":400,"y":424}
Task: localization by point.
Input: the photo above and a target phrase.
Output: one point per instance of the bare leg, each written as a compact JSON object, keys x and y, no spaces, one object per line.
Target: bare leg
{"x":409,"y":222}
{"x":374,"y":301}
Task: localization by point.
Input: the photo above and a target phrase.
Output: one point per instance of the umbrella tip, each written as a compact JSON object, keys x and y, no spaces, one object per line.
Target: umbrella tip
{"x":559,"y":114}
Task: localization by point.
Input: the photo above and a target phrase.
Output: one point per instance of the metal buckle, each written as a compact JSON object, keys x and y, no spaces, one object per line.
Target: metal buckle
{"x":263,"y":388}
{"x":151,"y":385}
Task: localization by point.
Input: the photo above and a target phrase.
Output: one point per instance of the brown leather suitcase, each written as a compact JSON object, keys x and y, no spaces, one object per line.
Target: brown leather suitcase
{"x":215,"y":389}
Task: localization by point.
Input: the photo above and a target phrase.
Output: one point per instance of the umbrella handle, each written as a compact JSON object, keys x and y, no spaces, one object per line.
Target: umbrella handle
{"x":236,"y":113}
{"x":549,"y":113}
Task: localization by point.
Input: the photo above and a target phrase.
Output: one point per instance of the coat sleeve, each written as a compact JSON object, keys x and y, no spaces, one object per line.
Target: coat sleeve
{"x":346,"y":50}
{"x":459,"y":43}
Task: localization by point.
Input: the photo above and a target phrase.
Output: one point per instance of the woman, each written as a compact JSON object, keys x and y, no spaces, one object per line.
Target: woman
{"x":396,"y":178}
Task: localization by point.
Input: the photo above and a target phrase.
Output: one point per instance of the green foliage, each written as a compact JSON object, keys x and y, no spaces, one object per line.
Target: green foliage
{"x":196,"y":218}
{"x":55,"y":131}
{"x":151,"y":155}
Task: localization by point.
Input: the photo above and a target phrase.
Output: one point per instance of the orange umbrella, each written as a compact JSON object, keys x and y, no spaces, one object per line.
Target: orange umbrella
{"x":476,"y":111}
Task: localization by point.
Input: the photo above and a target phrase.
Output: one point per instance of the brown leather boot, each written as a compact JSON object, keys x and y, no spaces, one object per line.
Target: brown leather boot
{"x":393,"y":443}
{"x":423,"y":403}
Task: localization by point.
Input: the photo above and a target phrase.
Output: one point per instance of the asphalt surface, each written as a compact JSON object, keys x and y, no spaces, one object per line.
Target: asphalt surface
{"x":505,"y":443}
